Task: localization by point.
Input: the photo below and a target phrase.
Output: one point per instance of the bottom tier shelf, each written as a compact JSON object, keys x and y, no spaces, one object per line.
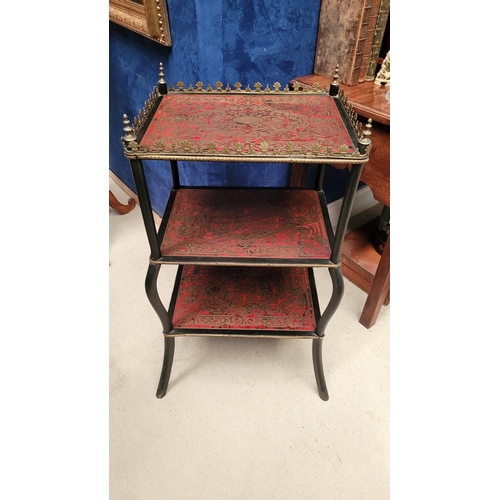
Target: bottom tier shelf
{"x":244,"y":302}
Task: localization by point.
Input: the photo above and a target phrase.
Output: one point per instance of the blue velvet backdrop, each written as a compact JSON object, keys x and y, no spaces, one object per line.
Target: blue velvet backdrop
{"x":226,"y":40}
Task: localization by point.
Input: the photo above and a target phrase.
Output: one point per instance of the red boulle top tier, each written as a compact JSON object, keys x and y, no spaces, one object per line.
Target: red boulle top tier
{"x":247,"y":125}
{"x":220,"y":123}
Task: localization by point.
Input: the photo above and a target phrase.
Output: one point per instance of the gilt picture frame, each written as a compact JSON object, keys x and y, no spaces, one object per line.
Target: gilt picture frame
{"x":146,"y":17}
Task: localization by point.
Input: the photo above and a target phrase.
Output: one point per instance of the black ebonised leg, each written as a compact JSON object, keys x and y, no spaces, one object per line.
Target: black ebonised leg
{"x":168,"y":358}
{"x":337,"y":293}
{"x":154,"y":299}
{"x":318,"y":368}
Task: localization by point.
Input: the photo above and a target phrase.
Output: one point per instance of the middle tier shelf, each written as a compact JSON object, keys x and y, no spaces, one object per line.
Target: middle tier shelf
{"x":246,"y":226}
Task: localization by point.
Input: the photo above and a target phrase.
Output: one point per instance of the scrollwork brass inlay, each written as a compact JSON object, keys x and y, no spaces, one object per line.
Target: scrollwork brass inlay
{"x":263,"y":122}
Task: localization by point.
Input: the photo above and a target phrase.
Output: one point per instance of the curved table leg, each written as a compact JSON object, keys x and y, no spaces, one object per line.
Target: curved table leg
{"x":318,"y":368}
{"x":168,"y":358}
{"x":154,"y":299}
{"x":337,"y":294}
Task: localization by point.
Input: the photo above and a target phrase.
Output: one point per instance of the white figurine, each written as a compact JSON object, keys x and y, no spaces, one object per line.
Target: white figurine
{"x":384,"y":75}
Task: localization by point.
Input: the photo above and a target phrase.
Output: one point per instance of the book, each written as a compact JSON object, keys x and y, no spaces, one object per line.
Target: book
{"x":342,"y":35}
{"x":372,"y":23}
{"x":361,"y":46}
{"x":382,"y":18}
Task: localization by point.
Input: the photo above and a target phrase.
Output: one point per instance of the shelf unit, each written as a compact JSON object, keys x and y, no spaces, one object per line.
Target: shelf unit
{"x":245,"y":256}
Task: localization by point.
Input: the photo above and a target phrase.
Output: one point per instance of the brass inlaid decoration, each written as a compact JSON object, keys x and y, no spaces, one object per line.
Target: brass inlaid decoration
{"x":276,"y":224}
{"x":266,"y":122}
{"x":277,"y":123}
{"x":242,"y":298}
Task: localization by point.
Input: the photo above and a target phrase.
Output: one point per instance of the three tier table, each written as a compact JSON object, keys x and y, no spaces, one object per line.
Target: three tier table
{"x":245,"y":256}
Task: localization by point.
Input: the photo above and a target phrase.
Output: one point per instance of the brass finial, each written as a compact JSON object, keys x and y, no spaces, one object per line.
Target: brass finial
{"x":367,"y":132}
{"x":336,"y":74}
{"x":162,"y":84}
{"x":335,"y":85}
{"x":365,"y":141}
{"x":129,"y":131}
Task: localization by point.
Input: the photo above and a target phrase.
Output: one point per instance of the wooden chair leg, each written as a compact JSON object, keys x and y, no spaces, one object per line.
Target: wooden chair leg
{"x":379,"y":289}
{"x":120,"y":207}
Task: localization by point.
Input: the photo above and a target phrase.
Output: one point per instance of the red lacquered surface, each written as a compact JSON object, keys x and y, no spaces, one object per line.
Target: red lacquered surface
{"x":238,"y":298}
{"x":239,"y":223}
{"x":248,"y":119}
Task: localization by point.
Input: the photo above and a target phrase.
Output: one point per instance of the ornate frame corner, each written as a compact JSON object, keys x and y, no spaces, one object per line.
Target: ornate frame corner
{"x":146,"y":17}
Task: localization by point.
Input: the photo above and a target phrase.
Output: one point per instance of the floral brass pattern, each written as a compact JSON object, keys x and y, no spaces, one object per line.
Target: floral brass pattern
{"x":274,"y":223}
{"x":270,"y":123}
{"x":238,"y":298}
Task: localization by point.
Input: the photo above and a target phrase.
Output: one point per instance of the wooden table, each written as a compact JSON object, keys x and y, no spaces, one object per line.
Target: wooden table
{"x":361,"y":264}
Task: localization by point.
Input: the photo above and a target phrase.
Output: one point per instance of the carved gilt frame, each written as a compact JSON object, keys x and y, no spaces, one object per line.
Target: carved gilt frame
{"x":148,"y":18}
